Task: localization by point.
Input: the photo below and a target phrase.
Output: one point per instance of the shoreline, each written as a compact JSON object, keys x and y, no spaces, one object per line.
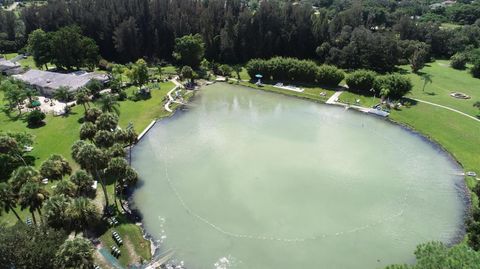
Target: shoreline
{"x":463,"y":191}
{"x":155,"y":246}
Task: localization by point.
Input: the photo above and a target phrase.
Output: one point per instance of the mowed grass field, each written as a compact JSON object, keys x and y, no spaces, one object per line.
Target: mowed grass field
{"x":446,"y":80}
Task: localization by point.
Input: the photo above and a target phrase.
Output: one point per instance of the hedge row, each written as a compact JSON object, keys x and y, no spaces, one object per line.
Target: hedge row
{"x":291,"y":69}
{"x":368,"y":82}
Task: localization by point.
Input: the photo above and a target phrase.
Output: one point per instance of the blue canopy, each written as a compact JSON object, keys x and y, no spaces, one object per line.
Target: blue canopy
{"x":258,"y":76}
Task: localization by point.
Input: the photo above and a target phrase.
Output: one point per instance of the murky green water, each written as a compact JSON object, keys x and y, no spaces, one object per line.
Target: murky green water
{"x":249,"y":179}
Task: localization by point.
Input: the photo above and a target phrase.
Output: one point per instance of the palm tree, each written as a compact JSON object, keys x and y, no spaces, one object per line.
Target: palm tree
{"x":107,"y":122}
{"x":83,"y":98}
{"x":76,"y":253}
{"x":32,"y":195}
{"x":55,"y":167}
{"x":427,"y":78}
{"x":7,"y":200}
{"x":63,"y":94}
{"x":115,"y":170}
{"x":94,"y":161}
{"x":30,"y":93}
{"x":80,"y":213}
{"x":23,"y":175}
{"x":131,"y":138}
{"x":122,"y":174}
{"x":88,"y":131}
{"x":54,"y":210}
{"x":65,"y":187}
{"x":109,"y":104}
{"x":83,"y":182}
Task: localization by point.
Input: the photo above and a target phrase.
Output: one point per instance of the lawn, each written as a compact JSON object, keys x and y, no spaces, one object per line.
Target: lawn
{"x":446,"y":80}
{"x":351,"y":98}
{"x":141,"y":113}
{"x":27,"y":62}
{"x":56,"y":136}
{"x":134,"y":249}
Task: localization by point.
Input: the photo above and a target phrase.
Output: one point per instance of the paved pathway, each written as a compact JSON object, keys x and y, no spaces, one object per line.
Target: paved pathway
{"x":169,"y":95}
{"x":446,"y":107}
{"x":334,"y":97}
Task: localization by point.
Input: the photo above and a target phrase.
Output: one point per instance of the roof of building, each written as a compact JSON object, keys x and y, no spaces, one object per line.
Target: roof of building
{"x":6,"y":64}
{"x":53,"y":80}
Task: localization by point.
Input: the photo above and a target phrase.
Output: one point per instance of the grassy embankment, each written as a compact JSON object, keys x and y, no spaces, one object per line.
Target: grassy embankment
{"x":60,"y":133}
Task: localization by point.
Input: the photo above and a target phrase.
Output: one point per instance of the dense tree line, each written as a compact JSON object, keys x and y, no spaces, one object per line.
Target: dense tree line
{"x":25,"y":246}
{"x":66,"y":48}
{"x":350,"y":34}
{"x":12,"y":32}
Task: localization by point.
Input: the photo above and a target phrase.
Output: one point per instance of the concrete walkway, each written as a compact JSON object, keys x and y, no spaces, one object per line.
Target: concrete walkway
{"x":169,"y":95}
{"x":333,"y":99}
{"x":446,"y":107}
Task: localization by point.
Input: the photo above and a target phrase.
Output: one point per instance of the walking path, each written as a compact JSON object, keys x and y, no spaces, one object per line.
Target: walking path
{"x":169,"y":95}
{"x":446,"y":107}
{"x":333,"y":99}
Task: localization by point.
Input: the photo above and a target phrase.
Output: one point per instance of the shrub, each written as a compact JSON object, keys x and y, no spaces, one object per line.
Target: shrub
{"x":104,"y":65}
{"x":329,"y":75}
{"x":225,"y":70}
{"x":258,"y":66}
{"x":35,"y":118}
{"x":122,"y":96}
{"x":361,"y":80}
{"x":475,"y":70}
{"x":458,"y":61}
{"x":392,"y":86}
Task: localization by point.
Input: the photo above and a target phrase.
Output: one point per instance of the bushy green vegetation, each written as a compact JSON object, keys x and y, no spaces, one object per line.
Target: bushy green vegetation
{"x":361,"y":81}
{"x":393,"y":86}
{"x":66,"y":48}
{"x":291,"y":69}
{"x":438,"y":255}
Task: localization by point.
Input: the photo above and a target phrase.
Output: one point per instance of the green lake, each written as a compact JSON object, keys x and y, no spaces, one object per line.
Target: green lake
{"x":249,"y":179}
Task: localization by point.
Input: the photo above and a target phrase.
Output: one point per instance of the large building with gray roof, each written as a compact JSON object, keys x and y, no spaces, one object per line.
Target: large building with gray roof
{"x":48,"y":82}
